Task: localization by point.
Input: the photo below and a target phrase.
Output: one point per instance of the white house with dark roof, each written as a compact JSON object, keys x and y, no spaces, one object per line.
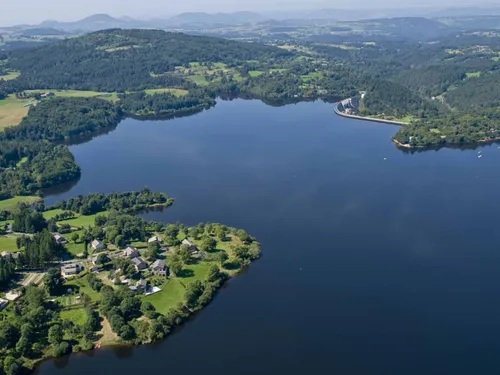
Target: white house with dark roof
{"x":139,"y":264}
{"x":130,"y":253}
{"x":191,"y":246}
{"x":97,"y":245}
{"x":154,"y":239}
{"x":159,"y":268}
{"x":59,"y":239}
{"x":71,"y":269}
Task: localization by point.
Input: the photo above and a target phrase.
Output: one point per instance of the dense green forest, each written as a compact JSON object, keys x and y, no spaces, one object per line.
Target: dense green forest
{"x":128,"y":60}
{"x":30,"y":158}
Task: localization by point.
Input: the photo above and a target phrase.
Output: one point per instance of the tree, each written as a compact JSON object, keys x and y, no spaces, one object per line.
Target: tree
{"x":75,"y":237}
{"x":153,"y":250}
{"x":221,"y":232}
{"x":184,"y":254}
{"x":126,"y":332}
{"x":61,"y":349}
{"x":100,"y":220}
{"x":176,"y":267}
{"x":55,"y":334}
{"x":243,"y":236}
{"x":208,"y":244}
{"x":53,"y":281}
{"x":222,"y":257}
{"x":213,"y":273}
{"x":23,"y":346}
{"x":194,"y":233}
{"x":193,"y":292}
{"x":120,"y":241}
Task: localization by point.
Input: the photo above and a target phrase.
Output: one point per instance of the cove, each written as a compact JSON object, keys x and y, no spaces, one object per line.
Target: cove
{"x":369,"y":266}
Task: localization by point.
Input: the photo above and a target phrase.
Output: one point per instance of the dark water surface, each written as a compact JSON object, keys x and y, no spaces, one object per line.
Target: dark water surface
{"x":370,"y":266}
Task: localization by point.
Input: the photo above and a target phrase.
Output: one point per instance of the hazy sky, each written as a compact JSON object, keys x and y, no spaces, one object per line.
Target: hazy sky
{"x":34,"y":11}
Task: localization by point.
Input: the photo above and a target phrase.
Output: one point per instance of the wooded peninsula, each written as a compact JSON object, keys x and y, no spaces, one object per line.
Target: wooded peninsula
{"x":87,"y":272}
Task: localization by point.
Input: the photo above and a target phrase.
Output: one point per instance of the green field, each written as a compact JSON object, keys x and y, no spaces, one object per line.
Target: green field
{"x":198,"y":79}
{"x":176,"y":92}
{"x":74,"y":248}
{"x":255,"y":73}
{"x":83,"y":221}
{"x":50,"y":214}
{"x":10,"y":76}
{"x":171,"y":294}
{"x":8,"y":243}
{"x":78,"y":94}
{"x":12,"y":111}
{"x":85,"y":288}
{"x":473,"y":74}
{"x":77,"y":315}
{"x":9,"y":204}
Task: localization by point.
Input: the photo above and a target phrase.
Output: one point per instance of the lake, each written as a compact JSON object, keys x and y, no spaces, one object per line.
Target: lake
{"x":375,"y":261}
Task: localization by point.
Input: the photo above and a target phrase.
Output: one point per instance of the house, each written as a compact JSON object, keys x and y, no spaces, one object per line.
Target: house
{"x":59,"y":239}
{"x":141,"y":285}
{"x":97,"y":245}
{"x":71,"y":269}
{"x":139,"y":264}
{"x":6,"y":255}
{"x":130,"y":253}
{"x":191,"y":246}
{"x":154,"y":239}
{"x":159,"y":268}
{"x":47,"y":94}
{"x":3,"y":303}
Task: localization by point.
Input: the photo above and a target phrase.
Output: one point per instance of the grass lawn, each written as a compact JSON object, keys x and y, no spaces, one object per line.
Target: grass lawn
{"x":21,"y":162}
{"x":74,"y":248}
{"x":8,"y":243}
{"x":77,"y":315}
{"x":473,"y":74}
{"x":198,"y":79}
{"x":12,"y":111}
{"x":9,"y":204}
{"x":193,"y":272}
{"x":79,"y":94}
{"x":171,"y":294}
{"x":84,"y":288}
{"x":9,"y":76}
{"x":176,"y":92}
{"x":255,"y":73}
{"x":50,"y":214}
{"x":83,"y":221}
{"x":311,"y":76}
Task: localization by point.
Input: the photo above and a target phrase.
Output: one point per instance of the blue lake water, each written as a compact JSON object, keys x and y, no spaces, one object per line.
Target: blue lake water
{"x":369,"y":266}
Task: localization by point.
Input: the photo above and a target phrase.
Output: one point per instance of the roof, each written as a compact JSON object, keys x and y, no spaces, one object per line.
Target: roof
{"x":185,"y":241}
{"x":58,"y":237}
{"x":138,"y":261}
{"x":154,"y":239}
{"x":96,"y":243}
{"x":70,"y":267}
{"x":160,"y":263}
{"x":130,"y":251}
{"x":142,"y":282}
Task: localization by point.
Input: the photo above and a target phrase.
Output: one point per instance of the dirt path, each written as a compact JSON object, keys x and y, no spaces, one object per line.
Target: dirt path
{"x":106,"y":334}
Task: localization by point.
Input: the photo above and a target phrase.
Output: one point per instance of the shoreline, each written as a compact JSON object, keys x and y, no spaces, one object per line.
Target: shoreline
{"x":355,"y":117}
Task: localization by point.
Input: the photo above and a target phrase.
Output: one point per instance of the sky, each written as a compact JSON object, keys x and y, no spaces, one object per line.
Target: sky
{"x":35,"y":11}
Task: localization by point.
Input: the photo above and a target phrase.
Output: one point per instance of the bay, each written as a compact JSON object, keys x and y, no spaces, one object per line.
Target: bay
{"x":375,"y":260}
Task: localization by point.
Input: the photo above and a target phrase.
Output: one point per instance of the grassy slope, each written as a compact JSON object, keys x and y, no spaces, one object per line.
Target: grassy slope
{"x":12,"y":111}
{"x":9,"y":204}
{"x":8,"y":243}
{"x":176,"y":92}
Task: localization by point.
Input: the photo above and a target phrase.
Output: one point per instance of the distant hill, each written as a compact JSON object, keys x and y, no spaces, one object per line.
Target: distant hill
{"x":92,"y":23}
{"x":236,"y":18}
{"x":128,"y":60}
{"x":413,"y":28}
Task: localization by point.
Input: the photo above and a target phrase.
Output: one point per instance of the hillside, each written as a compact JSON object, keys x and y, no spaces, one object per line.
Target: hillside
{"x":120,"y":60}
